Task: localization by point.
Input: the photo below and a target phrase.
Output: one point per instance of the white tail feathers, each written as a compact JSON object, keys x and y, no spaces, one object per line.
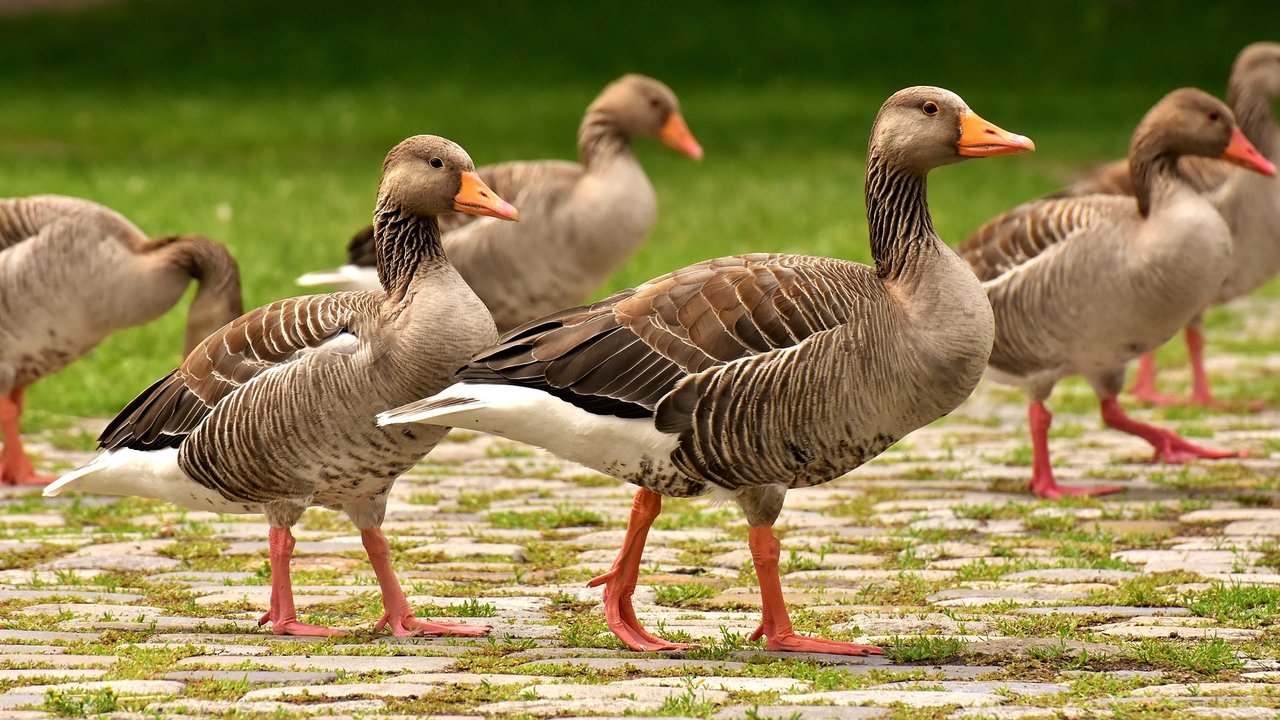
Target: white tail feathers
{"x":148,"y":474}
{"x":347,"y":277}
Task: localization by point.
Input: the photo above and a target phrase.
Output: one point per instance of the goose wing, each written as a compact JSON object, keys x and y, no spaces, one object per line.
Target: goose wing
{"x":256,"y":343}
{"x":1017,"y":237}
{"x":623,"y":354}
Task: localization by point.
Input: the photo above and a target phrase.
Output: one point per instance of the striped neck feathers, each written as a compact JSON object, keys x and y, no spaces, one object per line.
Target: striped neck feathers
{"x":402,"y":244}
{"x":601,"y":138}
{"x":1256,"y":115}
{"x":1153,"y":170}
{"x":898,"y":218}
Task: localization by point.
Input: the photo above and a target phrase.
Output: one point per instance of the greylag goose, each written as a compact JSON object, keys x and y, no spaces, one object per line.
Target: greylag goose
{"x":275,"y":412}
{"x":579,"y":221}
{"x":71,"y":273}
{"x":745,"y":376}
{"x":1250,"y":203}
{"x":1082,"y":285}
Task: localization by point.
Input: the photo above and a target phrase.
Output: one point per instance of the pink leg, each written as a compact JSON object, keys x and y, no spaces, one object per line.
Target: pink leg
{"x":15,"y":466}
{"x":397,"y":614}
{"x":776,"y":624}
{"x":620,"y":582}
{"x":282,"y":615}
{"x":1144,"y":383}
{"x":1043,"y":483}
{"x":1200,"y":392}
{"x":1169,"y":446}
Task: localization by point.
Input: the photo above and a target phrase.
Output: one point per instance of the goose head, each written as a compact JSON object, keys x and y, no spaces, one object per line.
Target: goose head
{"x":1257,"y":67}
{"x":644,"y":107}
{"x":925,"y":127}
{"x":1188,"y":121}
{"x":428,"y":175}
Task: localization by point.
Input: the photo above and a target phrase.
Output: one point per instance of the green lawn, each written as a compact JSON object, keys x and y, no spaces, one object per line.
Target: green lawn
{"x":264,"y":124}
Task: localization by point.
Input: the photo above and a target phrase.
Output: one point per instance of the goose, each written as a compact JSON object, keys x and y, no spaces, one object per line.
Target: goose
{"x":749,"y":375}
{"x":579,"y":221}
{"x":1082,"y":285}
{"x":71,"y":273}
{"x":274,"y":412}
{"x":1249,"y":202}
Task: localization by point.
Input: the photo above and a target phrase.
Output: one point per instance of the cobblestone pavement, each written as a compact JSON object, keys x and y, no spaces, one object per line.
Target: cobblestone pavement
{"x":1158,"y":602}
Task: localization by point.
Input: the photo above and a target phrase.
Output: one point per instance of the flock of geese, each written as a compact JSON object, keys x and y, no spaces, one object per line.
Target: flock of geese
{"x":741,"y":376}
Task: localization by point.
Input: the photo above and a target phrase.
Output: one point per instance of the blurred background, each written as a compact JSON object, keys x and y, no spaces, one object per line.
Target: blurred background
{"x":264,"y":124}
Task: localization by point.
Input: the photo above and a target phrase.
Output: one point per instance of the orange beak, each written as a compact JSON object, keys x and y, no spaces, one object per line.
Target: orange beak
{"x":475,"y":198}
{"x":979,"y":138}
{"x":1242,"y":152}
{"x":675,"y":135}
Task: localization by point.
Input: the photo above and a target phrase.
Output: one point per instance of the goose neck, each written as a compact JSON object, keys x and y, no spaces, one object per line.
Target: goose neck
{"x":403,"y":243}
{"x":1255,"y":114}
{"x":898,"y":218}
{"x":601,"y":139}
{"x":1153,"y":170}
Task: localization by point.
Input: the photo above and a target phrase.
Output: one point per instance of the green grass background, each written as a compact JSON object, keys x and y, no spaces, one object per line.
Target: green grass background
{"x":263,"y":124}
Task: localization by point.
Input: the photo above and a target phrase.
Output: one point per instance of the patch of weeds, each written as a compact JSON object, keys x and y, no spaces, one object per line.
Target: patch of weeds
{"x":30,"y":555}
{"x":505,"y":449}
{"x":564,"y":602}
{"x":1039,"y":625}
{"x":113,"y":515}
{"x":74,"y":439}
{"x":1270,"y":557}
{"x":923,"y":649}
{"x":907,"y":589}
{"x":472,"y":607}
{"x":684,"y":594}
{"x":862,"y":505}
{"x":682,"y":514}
{"x":477,"y":502}
{"x":1238,"y":605}
{"x":754,"y":714}
{"x":452,"y":699}
{"x":323,"y":520}
{"x":724,"y":647}
{"x":211,"y":689}
{"x":1141,"y":591}
{"x":983,"y":511}
{"x":689,"y":703}
{"x":1020,"y":456}
{"x":425,"y":498}
{"x":585,"y":630}
{"x":562,"y":516}
{"x":1051,"y":524}
{"x":193,"y":549}
{"x":1210,"y":657}
{"x":74,"y":704}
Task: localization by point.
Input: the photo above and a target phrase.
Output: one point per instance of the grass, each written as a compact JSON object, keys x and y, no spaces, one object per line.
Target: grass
{"x":265,"y":127}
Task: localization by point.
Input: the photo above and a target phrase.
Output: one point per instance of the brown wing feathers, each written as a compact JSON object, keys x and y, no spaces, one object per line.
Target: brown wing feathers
{"x":622,"y":355}
{"x":173,"y":407}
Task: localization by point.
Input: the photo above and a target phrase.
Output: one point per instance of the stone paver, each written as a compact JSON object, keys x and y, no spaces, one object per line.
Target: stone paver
{"x":992,"y":604}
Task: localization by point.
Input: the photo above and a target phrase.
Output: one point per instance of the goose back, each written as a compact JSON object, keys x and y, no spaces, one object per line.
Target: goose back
{"x":72,"y":272}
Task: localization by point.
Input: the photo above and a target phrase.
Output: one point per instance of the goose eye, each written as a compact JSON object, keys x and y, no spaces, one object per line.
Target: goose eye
{"x":655,"y":103}
{"x":930,"y":108}
{"x":436,"y":162}
{"x":1213,"y":117}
